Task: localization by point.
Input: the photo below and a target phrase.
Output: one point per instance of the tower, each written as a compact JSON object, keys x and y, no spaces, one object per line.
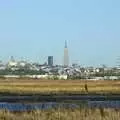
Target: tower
{"x":50,"y":60}
{"x":66,"y":56}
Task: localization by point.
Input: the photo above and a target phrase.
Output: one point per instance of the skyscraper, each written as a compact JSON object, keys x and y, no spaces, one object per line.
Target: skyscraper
{"x":66,"y":56}
{"x":50,"y":60}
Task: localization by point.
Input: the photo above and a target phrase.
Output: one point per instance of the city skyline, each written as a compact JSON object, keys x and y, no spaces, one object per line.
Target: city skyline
{"x":64,"y":60}
{"x":33,"y":30}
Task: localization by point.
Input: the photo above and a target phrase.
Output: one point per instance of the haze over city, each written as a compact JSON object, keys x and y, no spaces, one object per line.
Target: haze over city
{"x":36,"y":29}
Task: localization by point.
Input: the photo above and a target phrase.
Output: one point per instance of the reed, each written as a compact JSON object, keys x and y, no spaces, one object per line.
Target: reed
{"x":63,"y":114}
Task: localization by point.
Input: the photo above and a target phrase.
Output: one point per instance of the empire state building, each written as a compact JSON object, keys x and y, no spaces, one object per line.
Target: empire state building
{"x":66,"y":56}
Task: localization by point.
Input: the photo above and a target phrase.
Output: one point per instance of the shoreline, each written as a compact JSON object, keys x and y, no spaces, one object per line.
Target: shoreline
{"x":59,"y":98}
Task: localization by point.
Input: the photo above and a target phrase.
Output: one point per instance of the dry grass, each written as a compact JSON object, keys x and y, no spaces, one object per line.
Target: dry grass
{"x":29,"y":86}
{"x":63,"y":114}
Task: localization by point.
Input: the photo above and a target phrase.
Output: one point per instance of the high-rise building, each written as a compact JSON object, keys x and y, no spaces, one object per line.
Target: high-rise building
{"x":50,"y":60}
{"x":66,"y":56}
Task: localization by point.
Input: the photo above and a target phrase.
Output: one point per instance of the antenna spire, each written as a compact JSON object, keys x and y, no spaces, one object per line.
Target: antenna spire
{"x":65,"y":43}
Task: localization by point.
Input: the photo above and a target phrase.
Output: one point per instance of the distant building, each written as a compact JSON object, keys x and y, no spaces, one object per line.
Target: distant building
{"x":50,"y":60}
{"x":22,"y":63}
{"x":12,"y":62}
{"x":2,"y":66}
{"x":66,"y":56}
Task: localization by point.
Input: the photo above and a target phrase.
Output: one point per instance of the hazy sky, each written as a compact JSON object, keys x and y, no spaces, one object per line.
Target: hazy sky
{"x":34,"y":29}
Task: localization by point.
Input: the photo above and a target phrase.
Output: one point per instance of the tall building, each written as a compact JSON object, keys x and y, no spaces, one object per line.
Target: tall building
{"x":50,"y":60}
{"x":66,"y":56}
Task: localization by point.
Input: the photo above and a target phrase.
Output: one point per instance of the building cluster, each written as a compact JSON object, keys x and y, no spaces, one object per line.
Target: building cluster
{"x":48,"y":70}
{"x":35,"y":70}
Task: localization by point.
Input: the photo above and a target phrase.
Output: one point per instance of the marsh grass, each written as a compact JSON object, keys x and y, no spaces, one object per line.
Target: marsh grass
{"x":29,"y":86}
{"x":63,"y":114}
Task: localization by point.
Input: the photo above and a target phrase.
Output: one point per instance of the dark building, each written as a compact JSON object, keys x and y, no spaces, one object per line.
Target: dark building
{"x":50,"y":60}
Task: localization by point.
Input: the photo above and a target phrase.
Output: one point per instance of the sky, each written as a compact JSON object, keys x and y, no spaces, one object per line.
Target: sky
{"x":35,"y":29}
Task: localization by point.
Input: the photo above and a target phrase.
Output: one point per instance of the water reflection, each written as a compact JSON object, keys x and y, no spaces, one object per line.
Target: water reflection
{"x":53,"y":105}
{"x":104,"y":104}
{"x":35,"y":106}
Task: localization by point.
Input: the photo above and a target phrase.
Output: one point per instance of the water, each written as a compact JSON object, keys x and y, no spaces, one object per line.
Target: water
{"x":53,"y":105}
{"x":35,"y":106}
{"x":104,"y":104}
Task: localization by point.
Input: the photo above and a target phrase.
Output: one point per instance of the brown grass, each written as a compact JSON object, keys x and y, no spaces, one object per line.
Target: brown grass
{"x":25,"y":86}
{"x":63,"y":114}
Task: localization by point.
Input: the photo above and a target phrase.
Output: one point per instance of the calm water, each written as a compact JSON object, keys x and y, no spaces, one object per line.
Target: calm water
{"x":35,"y":106}
{"x":52,"y":105}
